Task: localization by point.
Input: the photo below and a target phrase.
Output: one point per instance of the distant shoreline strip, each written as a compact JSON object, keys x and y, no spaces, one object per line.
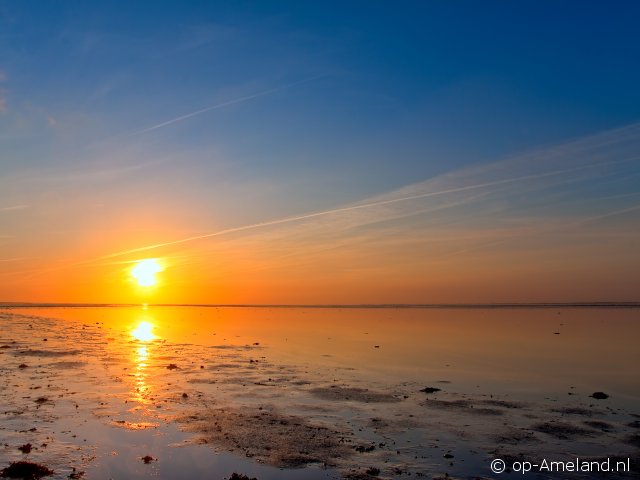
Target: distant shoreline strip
{"x":9,"y":305}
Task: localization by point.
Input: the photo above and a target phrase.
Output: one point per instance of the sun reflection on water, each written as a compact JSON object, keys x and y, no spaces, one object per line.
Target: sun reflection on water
{"x":144,"y":336}
{"x":143,"y":332}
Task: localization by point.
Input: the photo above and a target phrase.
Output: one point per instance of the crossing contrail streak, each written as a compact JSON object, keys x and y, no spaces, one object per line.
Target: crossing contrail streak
{"x":246,"y":98}
{"x":350,"y":208}
{"x":13,"y":207}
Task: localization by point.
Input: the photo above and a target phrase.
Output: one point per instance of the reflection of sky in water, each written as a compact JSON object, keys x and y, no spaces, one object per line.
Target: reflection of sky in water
{"x":116,"y":372}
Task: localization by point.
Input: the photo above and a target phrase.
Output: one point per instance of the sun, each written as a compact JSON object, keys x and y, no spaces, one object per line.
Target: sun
{"x":145,"y":272}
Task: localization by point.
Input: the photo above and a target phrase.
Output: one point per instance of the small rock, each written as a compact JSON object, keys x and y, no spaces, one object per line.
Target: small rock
{"x":172,"y":366}
{"x":430,"y":389}
{"x":599,"y":395}
{"x":23,"y":365}
{"x":148,"y":459}
{"x":184,"y":395}
{"x":26,"y":448}
{"x":364,"y":448}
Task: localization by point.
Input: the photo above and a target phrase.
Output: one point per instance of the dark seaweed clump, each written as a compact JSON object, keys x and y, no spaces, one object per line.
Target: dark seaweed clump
{"x":240,"y":476}
{"x":25,"y":470}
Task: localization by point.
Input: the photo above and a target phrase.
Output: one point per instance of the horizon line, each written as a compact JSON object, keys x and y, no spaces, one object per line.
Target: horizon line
{"x":594,"y":304}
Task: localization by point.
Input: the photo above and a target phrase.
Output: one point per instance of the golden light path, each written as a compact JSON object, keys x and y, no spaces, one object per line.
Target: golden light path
{"x":144,"y":335}
{"x":143,"y":332}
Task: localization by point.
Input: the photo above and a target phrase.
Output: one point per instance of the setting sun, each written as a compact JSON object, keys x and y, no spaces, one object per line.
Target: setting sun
{"x":145,"y":272}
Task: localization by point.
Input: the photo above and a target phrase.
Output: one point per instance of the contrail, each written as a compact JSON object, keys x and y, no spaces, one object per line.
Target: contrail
{"x":13,"y":207}
{"x":350,"y":208}
{"x":224,"y":104}
{"x":566,"y":226}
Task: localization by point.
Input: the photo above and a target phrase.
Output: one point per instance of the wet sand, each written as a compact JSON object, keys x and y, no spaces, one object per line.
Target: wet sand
{"x":297,"y":393}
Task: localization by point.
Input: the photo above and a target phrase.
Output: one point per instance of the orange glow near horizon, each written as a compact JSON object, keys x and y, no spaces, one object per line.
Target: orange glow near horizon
{"x":145,"y":272}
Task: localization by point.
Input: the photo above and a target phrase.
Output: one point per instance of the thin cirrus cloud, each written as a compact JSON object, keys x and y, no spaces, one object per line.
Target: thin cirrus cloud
{"x":227,"y":103}
{"x":562,"y":188}
{"x":577,"y":191}
{"x":11,"y":208}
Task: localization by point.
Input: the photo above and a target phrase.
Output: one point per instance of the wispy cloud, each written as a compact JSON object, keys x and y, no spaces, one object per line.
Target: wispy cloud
{"x":11,"y":208}
{"x":546,"y":200}
{"x":234,"y":101}
{"x":3,"y":100}
{"x":3,"y":93}
{"x":495,"y":192}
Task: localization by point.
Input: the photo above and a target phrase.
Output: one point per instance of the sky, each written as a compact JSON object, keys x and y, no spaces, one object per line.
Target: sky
{"x":320,"y":152}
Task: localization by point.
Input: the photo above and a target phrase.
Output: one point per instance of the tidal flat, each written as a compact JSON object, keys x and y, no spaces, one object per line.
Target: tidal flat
{"x":315,"y":393}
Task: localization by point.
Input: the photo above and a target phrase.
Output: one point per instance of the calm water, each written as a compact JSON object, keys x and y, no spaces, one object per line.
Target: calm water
{"x":210,"y":391}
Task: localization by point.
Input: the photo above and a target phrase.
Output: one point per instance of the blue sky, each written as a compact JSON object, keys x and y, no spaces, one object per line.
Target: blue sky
{"x":315,"y":104}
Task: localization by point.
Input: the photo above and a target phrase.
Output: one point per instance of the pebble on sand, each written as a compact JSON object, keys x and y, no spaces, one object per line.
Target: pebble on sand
{"x":430,"y":389}
{"x":26,"y":448}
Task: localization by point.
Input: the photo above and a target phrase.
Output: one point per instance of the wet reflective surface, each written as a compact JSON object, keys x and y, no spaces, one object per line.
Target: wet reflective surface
{"x":313,"y":393}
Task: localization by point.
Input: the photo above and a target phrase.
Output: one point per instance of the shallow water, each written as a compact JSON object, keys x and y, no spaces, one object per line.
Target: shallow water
{"x":314,"y":393}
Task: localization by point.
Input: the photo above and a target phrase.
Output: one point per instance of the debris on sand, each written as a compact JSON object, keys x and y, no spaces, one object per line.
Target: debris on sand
{"x":633,"y":440}
{"x":430,"y":389}
{"x":513,"y":436}
{"x":365,"y":448}
{"x":562,"y":430}
{"x":585,"y":412}
{"x":336,"y":392}
{"x":26,"y":448}
{"x":25,"y":470}
{"x":599,"y":395}
{"x":598,"y":425}
{"x":370,"y":473}
{"x":283,"y":441}
{"x":172,"y":366}
{"x":147,"y":459}
{"x":501,"y":403}
{"x":461,"y":406}
{"x":47,"y":353}
{"x":240,"y":476}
